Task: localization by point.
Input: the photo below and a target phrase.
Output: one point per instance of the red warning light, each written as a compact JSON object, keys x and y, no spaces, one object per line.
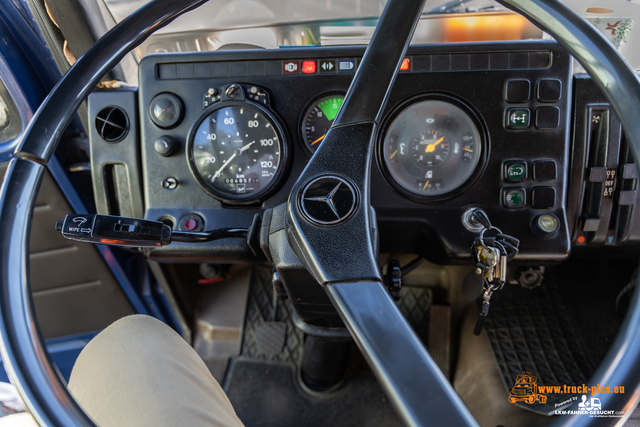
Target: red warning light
{"x":308,"y":67}
{"x":581,"y":239}
{"x":406,"y":64}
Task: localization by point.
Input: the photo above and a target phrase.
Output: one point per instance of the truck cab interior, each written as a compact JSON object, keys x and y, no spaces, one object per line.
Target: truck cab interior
{"x":356,"y":213}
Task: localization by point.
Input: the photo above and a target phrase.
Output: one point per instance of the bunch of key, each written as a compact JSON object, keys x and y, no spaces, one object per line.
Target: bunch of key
{"x":491,"y":251}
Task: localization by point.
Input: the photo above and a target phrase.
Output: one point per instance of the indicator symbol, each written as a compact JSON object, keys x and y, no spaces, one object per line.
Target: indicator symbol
{"x":327,"y":66}
{"x":406,"y":64}
{"x":79,"y":221}
{"x":290,"y":67}
{"x":346,"y":65}
{"x":308,"y":67}
{"x":518,"y":118}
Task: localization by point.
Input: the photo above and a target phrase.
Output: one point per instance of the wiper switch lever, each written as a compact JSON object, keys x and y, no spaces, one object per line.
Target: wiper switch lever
{"x":122,"y":231}
{"x":114,"y":230}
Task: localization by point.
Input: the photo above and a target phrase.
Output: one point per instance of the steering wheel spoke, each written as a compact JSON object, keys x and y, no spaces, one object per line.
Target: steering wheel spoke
{"x":411,"y":379}
{"x":329,"y":219}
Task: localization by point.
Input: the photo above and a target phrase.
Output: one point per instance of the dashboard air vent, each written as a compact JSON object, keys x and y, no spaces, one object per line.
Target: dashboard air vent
{"x":112,"y":124}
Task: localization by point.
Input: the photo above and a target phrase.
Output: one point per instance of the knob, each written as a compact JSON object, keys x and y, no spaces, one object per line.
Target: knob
{"x":166,"y":110}
{"x":546,"y":225}
{"x":166,"y":146}
{"x":169,"y":183}
{"x":233,"y":91}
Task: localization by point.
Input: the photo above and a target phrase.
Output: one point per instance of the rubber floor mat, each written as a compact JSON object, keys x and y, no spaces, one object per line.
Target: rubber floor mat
{"x":268,"y":394}
{"x":281,"y":341}
{"x":263,"y":338}
{"x":531,"y":332}
{"x":263,"y":384}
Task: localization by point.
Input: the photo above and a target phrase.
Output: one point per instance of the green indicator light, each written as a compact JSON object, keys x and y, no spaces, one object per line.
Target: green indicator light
{"x":330,"y":107}
{"x":514,"y":198}
{"x":516,"y":171}
{"x":519,"y":118}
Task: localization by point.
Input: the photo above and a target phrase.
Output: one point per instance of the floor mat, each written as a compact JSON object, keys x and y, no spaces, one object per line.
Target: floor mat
{"x":263,"y":383}
{"x":281,"y":341}
{"x":539,"y":331}
{"x":263,"y":338}
{"x":268,"y":394}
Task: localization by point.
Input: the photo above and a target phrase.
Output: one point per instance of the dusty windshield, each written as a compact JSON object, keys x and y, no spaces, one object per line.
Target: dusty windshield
{"x":224,"y":14}
{"x":274,"y":24}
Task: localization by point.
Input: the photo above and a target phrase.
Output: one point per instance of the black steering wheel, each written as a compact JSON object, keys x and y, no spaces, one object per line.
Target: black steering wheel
{"x":341,"y":255}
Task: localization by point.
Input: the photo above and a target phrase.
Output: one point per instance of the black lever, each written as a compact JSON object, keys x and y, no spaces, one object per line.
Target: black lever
{"x":121,"y":231}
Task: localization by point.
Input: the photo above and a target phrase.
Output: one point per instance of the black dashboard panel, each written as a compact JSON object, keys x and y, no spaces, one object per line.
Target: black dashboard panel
{"x":520,"y":92}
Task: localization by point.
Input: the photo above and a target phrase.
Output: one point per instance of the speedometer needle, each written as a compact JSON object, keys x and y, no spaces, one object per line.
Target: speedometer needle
{"x":319,"y":139}
{"x":432,"y":147}
{"x":217,"y":174}
{"x":246,"y":147}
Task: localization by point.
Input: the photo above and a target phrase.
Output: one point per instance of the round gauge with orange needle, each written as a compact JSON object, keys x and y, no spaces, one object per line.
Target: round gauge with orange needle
{"x":432,"y":147}
{"x":318,"y":118}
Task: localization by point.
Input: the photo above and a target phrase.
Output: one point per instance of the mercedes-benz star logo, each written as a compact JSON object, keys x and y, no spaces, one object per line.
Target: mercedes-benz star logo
{"x":328,"y":200}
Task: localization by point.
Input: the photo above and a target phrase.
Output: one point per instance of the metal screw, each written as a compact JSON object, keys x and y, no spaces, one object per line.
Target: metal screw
{"x":170,"y":183}
{"x":233,"y":91}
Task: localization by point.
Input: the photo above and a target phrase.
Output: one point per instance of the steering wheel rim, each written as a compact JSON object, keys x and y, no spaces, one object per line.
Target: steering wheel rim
{"x":23,"y":350}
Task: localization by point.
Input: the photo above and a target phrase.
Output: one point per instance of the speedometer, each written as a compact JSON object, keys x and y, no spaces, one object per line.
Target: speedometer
{"x":433,"y":147}
{"x":237,"y":151}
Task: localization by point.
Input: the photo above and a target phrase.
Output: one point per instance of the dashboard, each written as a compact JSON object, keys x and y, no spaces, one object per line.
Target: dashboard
{"x":209,"y":140}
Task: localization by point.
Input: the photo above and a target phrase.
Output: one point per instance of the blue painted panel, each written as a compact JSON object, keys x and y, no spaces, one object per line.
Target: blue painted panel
{"x":63,"y":352}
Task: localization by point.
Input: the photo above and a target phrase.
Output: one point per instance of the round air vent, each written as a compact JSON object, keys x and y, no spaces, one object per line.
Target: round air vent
{"x":112,"y":124}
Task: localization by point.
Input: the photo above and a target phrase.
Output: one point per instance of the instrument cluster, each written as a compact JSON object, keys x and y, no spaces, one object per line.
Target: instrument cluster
{"x":430,"y":146}
{"x":218,"y":138}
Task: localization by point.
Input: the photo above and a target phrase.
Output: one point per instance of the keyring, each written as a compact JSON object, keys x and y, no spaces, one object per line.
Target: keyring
{"x":482,"y":234}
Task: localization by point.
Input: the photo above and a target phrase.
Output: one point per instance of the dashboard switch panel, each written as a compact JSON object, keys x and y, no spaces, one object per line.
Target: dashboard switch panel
{"x":517,"y":91}
{"x":515,"y":171}
{"x":543,"y":197}
{"x":549,"y":90}
{"x":514,"y":197}
{"x":544,"y":170}
{"x":547,"y":118}
{"x":518,"y":118}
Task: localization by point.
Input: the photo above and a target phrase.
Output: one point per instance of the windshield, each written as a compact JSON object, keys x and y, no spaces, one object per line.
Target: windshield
{"x":273,"y":24}
{"x":224,"y":14}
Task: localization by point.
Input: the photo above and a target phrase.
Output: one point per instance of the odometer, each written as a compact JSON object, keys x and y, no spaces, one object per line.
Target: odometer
{"x":433,"y":147}
{"x":236,"y":151}
{"x":318,"y":118}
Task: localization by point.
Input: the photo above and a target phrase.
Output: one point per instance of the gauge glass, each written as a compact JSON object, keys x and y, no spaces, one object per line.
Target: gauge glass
{"x":318,"y":118}
{"x":432,"y":147}
{"x":236,"y":151}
